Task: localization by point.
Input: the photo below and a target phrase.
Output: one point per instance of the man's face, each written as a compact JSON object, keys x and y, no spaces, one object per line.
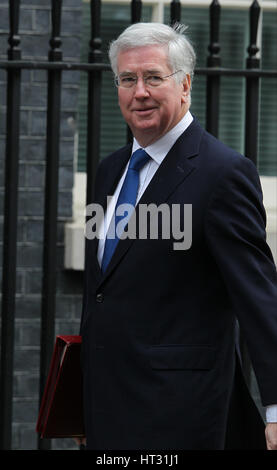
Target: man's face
{"x":151,"y":111}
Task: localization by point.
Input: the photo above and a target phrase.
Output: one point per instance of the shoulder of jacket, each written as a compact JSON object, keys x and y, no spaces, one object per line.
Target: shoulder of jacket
{"x":114,"y":156}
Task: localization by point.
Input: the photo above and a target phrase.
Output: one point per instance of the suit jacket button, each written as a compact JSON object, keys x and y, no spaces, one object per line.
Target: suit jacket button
{"x":99,"y":297}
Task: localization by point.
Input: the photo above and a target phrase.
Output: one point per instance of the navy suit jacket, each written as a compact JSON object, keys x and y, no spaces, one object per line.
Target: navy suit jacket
{"x":158,"y":351}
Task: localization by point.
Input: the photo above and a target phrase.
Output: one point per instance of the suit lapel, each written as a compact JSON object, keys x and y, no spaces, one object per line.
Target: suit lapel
{"x":175,"y":167}
{"x":117,"y":165}
{"x":173,"y":170}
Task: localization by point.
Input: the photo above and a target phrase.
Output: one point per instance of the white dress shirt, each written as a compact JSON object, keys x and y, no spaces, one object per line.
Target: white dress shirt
{"x":157,"y":152}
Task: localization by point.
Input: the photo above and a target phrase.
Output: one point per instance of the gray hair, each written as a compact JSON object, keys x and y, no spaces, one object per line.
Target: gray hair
{"x":181,"y":55}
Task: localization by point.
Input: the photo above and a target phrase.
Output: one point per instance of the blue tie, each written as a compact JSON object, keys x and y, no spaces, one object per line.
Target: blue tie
{"x":127,"y":195}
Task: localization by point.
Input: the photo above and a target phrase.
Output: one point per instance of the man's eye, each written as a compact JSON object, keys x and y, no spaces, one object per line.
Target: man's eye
{"x":127,"y":80}
{"x":154,"y":79}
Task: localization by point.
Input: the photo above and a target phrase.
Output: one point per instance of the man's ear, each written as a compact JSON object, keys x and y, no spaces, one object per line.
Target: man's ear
{"x":186,"y":88}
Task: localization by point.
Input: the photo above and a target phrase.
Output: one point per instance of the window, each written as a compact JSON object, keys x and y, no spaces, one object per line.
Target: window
{"x":267,"y":162}
{"x":233,"y":42}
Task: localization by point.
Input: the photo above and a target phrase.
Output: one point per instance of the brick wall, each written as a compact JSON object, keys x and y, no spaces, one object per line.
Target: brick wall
{"x":34,"y":32}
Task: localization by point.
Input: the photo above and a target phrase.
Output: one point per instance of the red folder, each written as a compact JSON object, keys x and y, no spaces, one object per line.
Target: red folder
{"x":61,"y":410}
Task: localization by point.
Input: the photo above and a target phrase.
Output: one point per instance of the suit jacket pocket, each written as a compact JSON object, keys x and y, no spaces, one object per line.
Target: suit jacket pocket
{"x":181,"y":357}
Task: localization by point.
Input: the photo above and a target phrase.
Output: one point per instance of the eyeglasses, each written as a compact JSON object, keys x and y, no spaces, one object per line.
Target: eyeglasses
{"x":128,"y":80}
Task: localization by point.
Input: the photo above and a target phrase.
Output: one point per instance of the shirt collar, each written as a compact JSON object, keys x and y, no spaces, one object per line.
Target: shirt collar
{"x":159,"y":149}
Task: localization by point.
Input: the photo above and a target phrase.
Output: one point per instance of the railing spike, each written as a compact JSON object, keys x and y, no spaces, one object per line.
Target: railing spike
{"x":95,"y":53}
{"x":175,"y":12}
{"x":136,"y":8}
{"x":14,"y":51}
{"x":213,"y":83}
{"x":254,"y":15}
{"x":214,"y":47}
{"x":55,"y":53}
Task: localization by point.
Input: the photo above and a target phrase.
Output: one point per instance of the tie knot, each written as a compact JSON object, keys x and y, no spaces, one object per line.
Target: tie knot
{"x":138,"y":159}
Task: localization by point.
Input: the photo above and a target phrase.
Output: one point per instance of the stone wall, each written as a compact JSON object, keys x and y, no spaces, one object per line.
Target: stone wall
{"x":34,"y":31}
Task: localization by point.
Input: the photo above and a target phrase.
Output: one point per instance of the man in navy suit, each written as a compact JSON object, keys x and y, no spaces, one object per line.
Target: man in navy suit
{"x":158,"y":321}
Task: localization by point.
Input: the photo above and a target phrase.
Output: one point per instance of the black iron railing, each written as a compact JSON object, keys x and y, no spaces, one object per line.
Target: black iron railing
{"x":94,"y":67}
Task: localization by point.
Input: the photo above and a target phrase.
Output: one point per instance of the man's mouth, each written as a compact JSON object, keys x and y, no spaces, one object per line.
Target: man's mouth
{"x":144,"y":111}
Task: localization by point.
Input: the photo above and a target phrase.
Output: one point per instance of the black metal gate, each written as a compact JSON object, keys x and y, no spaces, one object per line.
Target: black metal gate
{"x":94,"y":67}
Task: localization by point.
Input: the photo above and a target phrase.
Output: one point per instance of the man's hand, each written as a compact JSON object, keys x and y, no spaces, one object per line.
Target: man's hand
{"x":271,"y":436}
{"x":80,"y":441}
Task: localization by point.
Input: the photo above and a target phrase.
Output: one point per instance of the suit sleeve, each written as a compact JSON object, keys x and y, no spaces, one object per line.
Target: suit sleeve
{"x":235,"y":231}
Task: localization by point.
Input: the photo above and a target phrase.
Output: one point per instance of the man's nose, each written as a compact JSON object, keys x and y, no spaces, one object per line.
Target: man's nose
{"x":141,"y":90}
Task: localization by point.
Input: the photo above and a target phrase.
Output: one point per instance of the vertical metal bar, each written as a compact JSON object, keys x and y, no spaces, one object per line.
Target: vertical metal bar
{"x":136,"y":8}
{"x":51,"y":205}
{"x":214,"y":60}
{"x":10,"y":230}
{"x":94,"y":99}
{"x":175,"y":12}
{"x":252,"y":88}
{"x":251,"y":136}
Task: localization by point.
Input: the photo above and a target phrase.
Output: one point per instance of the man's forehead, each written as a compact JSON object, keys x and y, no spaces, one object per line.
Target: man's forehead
{"x":148,"y":58}
{"x":146,"y":71}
